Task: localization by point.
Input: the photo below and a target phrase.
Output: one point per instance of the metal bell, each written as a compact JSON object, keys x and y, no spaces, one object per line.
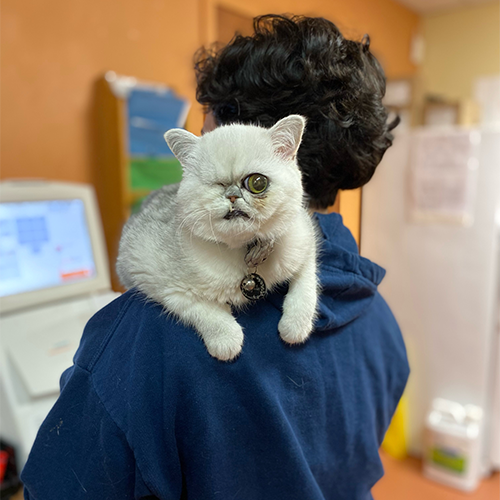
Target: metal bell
{"x":253,"y":286}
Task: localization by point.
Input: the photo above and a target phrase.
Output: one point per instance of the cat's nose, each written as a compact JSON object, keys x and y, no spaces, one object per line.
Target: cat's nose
{"x":233,"y":193}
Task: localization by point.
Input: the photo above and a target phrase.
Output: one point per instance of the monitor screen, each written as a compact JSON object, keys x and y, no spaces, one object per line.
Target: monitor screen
{"x":43,"y":244}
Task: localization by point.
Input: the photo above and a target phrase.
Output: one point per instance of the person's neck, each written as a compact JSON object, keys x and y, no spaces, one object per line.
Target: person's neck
{"x":318,"y":210}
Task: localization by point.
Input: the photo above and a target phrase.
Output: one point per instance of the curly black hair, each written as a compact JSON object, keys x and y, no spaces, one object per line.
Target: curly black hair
{"x":303,"y":65}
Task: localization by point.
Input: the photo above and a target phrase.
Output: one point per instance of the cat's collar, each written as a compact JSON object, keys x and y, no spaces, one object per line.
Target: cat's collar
{"x":253,"y":286}
{"x":258,"y":252}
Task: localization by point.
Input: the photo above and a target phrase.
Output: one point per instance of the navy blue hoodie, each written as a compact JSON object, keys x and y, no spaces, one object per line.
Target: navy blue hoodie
{"x":145,"y":412}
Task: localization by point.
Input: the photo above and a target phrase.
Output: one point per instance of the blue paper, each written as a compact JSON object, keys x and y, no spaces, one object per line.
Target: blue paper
{"x":150,"y":114}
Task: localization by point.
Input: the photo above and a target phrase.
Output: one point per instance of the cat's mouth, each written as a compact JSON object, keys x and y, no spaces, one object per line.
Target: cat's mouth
{"x":233,"y":214}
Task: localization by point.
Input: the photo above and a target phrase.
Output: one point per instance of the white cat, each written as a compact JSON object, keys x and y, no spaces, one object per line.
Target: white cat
{"x":239,"y":205}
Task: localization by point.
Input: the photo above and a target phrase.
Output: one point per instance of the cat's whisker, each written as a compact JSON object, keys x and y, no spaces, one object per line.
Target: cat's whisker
{"x":193,"y":215}
{"x":202,"y":213}
{"x":184,"y":222}
{"x":212,"y":229}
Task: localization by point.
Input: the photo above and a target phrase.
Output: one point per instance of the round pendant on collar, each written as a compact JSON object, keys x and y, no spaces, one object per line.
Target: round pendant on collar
{"x":253,"y":286}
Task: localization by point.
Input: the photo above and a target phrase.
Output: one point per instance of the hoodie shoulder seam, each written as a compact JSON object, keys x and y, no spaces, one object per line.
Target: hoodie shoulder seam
{"x":350,"y":273}
{"x":107,"y":338}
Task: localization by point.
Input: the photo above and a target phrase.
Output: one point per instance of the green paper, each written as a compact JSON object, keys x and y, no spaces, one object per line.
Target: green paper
{"x":153,"y":173}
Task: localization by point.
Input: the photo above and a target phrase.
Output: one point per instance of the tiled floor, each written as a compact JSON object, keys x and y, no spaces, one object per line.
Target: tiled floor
{"x":403,"y":480}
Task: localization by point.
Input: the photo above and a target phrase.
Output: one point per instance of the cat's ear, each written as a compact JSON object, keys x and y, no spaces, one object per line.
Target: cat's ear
{"x":182,"y":143}
{"x":287,"y":134}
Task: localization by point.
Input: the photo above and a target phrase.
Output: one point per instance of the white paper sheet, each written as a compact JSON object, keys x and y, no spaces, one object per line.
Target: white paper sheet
{"x":443,"y":175}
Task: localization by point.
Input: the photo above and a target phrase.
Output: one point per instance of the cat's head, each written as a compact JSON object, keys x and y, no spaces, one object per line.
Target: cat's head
{"x":240,"y":181}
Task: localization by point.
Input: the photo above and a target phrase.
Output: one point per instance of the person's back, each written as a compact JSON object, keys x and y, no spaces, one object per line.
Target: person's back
{"x":146,"y":411}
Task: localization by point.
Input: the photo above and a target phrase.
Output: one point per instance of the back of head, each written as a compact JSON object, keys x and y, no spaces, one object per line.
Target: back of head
{"x":305,"y":66}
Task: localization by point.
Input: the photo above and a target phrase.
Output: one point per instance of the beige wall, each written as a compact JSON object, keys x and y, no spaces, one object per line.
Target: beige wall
{"x":53,"y":52}
{"x":460,"y":46}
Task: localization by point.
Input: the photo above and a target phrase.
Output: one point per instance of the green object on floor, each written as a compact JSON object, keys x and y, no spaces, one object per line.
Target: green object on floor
{"x":448,"y":460}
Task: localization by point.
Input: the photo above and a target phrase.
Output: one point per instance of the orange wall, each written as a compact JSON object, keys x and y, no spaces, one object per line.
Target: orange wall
{"x":53,"y":52}
{"x":390,"y":24}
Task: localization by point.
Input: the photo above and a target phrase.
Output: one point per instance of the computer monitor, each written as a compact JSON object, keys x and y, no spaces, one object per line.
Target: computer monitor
{"x":51,"y":243}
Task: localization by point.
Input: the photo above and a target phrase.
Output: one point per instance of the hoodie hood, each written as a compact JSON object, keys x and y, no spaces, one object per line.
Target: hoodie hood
{"x":349,"y":282}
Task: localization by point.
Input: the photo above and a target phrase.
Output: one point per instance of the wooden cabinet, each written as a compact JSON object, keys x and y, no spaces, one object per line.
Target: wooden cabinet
{"x":133,"y":158}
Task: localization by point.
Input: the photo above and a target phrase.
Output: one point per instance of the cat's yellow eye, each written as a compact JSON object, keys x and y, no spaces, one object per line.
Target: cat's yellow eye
{"x":256,"y":183}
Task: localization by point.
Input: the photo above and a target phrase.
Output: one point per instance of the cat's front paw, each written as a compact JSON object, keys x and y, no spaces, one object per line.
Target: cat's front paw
{"x":226,"y":345}
{"x":295,"y":329}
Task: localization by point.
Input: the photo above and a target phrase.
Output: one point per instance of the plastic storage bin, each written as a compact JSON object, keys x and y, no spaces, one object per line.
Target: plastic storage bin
{"x":452,"y":453}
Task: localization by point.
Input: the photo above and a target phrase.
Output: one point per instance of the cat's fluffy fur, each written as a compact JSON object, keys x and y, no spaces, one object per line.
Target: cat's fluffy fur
{"x":180,"y":251}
